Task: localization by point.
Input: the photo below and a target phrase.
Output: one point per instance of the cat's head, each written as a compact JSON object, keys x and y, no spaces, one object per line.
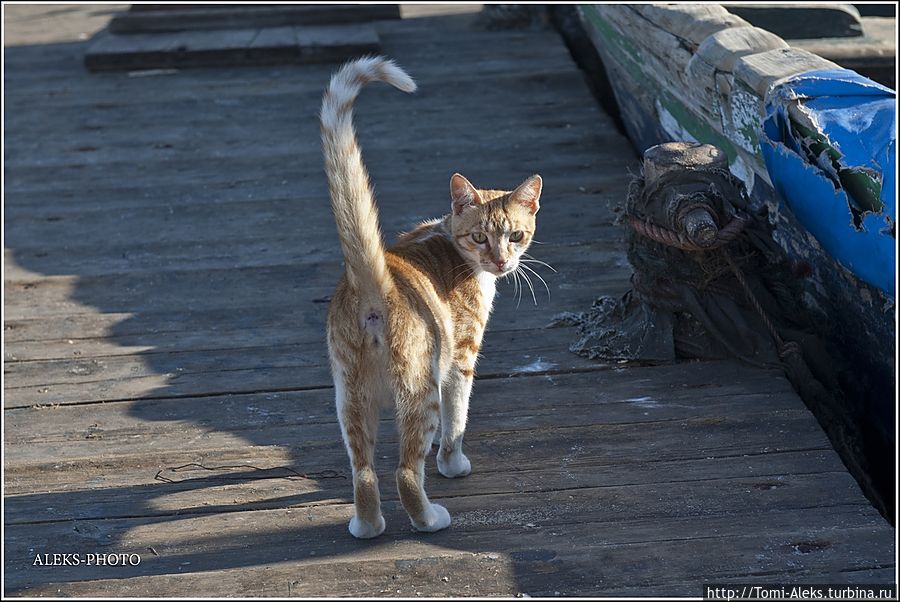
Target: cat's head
{"x":492,"y":228}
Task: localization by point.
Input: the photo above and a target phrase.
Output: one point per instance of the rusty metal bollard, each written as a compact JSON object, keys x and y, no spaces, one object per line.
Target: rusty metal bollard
{"x":680,"y":202}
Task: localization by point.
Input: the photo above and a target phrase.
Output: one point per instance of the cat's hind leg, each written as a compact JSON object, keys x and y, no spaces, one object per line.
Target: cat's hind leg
{"x":358,"y":417}
{"x":417,"y":421}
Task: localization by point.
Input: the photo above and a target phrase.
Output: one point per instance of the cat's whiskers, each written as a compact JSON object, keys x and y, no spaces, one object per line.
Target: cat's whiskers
{"x":518,"y":289}
{"x":539,"y":277}
{"x":533,"y":260}
{"x":527,"y":281}
{"x":521,"y":287}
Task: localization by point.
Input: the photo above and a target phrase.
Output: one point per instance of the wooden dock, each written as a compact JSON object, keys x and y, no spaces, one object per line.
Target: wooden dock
{"x":169,"y":253}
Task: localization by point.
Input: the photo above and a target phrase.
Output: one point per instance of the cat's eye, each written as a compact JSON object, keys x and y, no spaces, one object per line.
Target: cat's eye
{"x":516,"y":236}
{"x":479,"y":237}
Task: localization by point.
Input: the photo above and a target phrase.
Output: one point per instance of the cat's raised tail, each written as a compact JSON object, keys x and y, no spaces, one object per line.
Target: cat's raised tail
{"x":348,"y":181}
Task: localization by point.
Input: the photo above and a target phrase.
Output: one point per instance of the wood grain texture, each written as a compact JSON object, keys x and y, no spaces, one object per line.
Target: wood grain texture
{"x":760,"y":71}
{"x":158,"y":18}
{"x":110,"y":51}
{"x":169,"y":256}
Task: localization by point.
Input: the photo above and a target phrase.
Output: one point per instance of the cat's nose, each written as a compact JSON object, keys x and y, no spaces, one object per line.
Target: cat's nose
{"x":500,"y":263}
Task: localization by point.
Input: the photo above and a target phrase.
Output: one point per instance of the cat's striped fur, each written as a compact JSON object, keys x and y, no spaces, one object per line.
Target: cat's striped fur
{"x":405,"y":324}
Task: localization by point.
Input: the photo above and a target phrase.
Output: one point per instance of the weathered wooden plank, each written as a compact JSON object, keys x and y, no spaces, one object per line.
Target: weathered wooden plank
{"x":67,"y":90}
{"x":503,"y":167}
{"x":177,"y":17}
{"x":287,"y":185}
{"x":235,"y":286}
{"x":264,"y":537}
{"x":304,"y":220}
{"x":686,"y":103}
{"x":275,"y":326}
{"x":508,"y":449}
{"x":446,"y":575}
{"x":279,"y":306}
{"x":100,"y":117}
{"x":269,"y":249}
{"x":807,"y":20}
{"x":498,"y":55}
{"x":876,"y":47}
{"x":872,"y":55}
{"x":100,"y":428}
{"x":464,"y":575}
{"x":264,"y":233}
{"x":759,"y":71}
{"x":40,"y":27}
{"x":789,"y":471}
{"x":223,"y":128}
{"x":99,"y":121}
{"x":129,"y":489}
{"x":666,"y":391}
{"x":653,"y":394}
{"x":283,"y":228}
{"x":692,"y":23}
{"x":749,"y":486}
{"x":53,"y":55}
{"x":287,"y":367}
{"x":282,"y":317}
{"x":244,"y":46}
{"x":723,"y":48}
{"x":712,"y":66}
{"x":300,"y":134}
{"x":552,"y":132}
{"x":862,"y":577}
{"x":293,"y":321}
{"x":678,"y":93}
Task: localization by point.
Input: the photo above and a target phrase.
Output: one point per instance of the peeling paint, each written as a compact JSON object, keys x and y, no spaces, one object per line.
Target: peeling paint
{"x":745,"y":118}
{"x":671,"y":125}
{"x":741,"y":170}
{"x":829,"y":147}
{"x":736,"y":135}
{"x":611,"y":33}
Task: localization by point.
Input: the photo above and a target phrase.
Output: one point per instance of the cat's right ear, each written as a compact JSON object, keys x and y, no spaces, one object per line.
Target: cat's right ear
{"x":463,"y":194}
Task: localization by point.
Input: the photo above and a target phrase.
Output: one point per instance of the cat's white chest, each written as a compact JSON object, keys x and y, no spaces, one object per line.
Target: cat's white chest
{"x":488,"y":284}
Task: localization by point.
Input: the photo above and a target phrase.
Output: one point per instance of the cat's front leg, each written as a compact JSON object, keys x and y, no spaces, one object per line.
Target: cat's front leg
{"x":451,"y":460}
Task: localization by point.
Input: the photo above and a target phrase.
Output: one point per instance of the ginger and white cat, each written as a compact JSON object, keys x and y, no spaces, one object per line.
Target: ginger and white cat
{"x":406,"y":322}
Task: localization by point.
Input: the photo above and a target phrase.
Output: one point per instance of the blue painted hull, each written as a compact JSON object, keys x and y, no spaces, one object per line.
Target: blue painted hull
{"x":821,"y":157}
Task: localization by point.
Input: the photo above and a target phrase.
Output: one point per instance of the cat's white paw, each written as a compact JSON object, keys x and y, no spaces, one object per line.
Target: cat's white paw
{"x":457,"y":465}
{"x":361,"y":529}
{"x":435,"y":519}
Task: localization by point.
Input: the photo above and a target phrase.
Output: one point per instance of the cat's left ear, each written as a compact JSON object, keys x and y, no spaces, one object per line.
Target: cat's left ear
{"x":529,"y":193}
{"x":463,"y":194}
